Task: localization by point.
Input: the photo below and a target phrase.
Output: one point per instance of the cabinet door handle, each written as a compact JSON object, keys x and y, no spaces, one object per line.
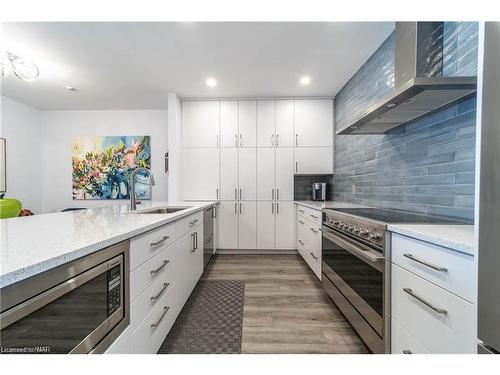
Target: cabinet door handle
{"x":277,"y":194}
{"x":406,"y":351}
{"x":272,"y":207}
{"x":235,"y":208}
{"x":277,"y":208}
{"x":428,"y":304}
{"x":296,"y":139}
{"x":165,"y":262}
{"x":193,"y":222}
{"x":296,"y":167}
{"x":217,"y":137}
{"x":240,"y":194}
{"x":240,"y":208}
{"x":165,"y":286}
{"x":277,"y":140}
{"x":314,"y":256}
{"x":241,"y":140}
{"x":301,"y":242}
{"x":314,"y":216}
{"x":301,"y":211}
{"x":272,"y":140}
{"x":196,"y":241}
{"x":430,"y":265}
{"x":217,"y":193}
{"x":160,"y":241}
{"x":235,"y":194}
{"x":314,"y":230}
{"x":236,"y":140}
{"x":272,"y":194}
{"x":165,"y":310}
{"x":301,"y":222}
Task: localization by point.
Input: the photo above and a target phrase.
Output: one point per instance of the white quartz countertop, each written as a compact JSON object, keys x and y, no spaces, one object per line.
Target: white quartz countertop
{"x":31,"y":245}
{"x":319,"y":205}
{"x":452,"y":236}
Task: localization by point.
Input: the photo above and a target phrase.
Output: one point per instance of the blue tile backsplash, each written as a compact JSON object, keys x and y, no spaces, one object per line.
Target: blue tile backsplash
{"x":427,"y":166}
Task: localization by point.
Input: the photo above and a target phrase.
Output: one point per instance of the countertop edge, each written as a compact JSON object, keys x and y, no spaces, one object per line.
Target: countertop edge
{"x":37,"y":268}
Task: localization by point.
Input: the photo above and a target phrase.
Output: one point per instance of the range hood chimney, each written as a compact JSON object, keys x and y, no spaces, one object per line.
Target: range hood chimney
{"x":419,"y":86}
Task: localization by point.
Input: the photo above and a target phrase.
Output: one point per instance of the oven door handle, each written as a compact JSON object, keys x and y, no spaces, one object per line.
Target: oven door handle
{"x":372,"y":256}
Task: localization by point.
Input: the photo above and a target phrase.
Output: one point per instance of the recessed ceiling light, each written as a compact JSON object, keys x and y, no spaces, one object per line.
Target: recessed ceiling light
{"x":211,"y":82}
{"x":70,"y":88}
{"x":305,"y":80}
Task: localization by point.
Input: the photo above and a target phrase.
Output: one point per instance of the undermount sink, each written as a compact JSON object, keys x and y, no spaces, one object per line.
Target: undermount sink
{"x":161,"y":210}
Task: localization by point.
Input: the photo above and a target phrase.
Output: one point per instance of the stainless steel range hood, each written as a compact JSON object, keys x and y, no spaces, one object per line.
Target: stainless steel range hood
{"x":420,"y":88}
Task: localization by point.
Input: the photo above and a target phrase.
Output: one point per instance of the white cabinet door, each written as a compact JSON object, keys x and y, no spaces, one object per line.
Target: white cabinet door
{"x":227,"y":225}
{"x":228,"y":174}
{"x":247,"y":123}
{"x":247,"y":226}
{"x":284,"y":123}
{"x":201,"y":173}
{"x":265,"y":174}
{"x":265,"y":225}
{"x":247,"y":167}
{"x":229,"y":123}
{"x":200,"y":121}
{"x":313,"y":160}
{"x":285,"y":225}
{"x":284,"y":174}
{"x":266,"y":120}
{"x":314,"y":122}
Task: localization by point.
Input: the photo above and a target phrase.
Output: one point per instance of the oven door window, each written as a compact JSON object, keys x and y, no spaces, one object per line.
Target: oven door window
{"x":62,"y":324}
{"x":362,"y":278}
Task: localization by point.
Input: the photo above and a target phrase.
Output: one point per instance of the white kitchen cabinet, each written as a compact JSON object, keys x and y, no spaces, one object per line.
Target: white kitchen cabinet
{"x":284,"y":225}
{"x":227,"y":217}
{"x":284,"y":174}
{"x":265,"y":225}
{"x":200,"y":121}
{"x":284,"y":123}
{"x":404,"y":343}
{"x":314,"y":123}
{"x":229,"y":123}
{"x":247,"y":227}
{"x":247,"y":124}
{"x":266,"y":171}
{"x":201,"y":173}
{"x":247,"y":174}
{"x":228,"y":174}
{"x":266,"y":123}
{"x":313,"y":160}
{"x":309,"y":239}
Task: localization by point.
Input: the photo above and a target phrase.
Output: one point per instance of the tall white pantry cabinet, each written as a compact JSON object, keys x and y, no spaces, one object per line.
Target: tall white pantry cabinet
{"x":245,"y":154}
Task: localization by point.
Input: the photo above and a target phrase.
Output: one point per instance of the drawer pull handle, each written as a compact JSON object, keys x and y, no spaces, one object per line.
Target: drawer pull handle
{"x":301,"y":222}
{"x":314,"y":217}
{"x":165,"y":310}
{"x":406,"y":351}
{"x":165,"y":262}
{"x":160,"y":241}
{"x":314,"y":256}
{"x":428,"y":304}
{"x":193,"y":222}
{"x":302,"y":211}
{"x":165,"y":286}
{"x":301,"y":242}
{"x":314,"y":230}
{"x":437,"y":268}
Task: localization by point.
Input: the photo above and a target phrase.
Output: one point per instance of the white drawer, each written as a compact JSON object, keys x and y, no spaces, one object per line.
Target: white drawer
{"x":122,"y":343}
{"x":403,"y":343}
{"x":148,"y":299}
{"x":188,"y":223}
{"x":456,"y":275}
{"x":146,"y":245}
{"x":301,"y":233}
{"x":440,"y":333}
{"x":309,"y":214}
{"x":309,"y":244}
{"x":144,"y":275}
{"x":153,"y":330}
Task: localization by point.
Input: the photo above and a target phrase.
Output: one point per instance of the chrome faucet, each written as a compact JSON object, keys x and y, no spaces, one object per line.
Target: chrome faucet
{"x":133,"y":202}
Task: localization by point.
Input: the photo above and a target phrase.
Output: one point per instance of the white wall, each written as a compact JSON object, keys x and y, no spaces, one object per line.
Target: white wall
{"x":59,"y":128}
{"x":20,"y":125}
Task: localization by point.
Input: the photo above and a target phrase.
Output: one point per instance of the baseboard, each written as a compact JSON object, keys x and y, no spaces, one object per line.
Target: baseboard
{"x":256,"y":251}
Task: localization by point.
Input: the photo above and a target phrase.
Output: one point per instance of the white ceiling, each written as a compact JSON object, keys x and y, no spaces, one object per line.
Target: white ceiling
{"x":134,"y":65}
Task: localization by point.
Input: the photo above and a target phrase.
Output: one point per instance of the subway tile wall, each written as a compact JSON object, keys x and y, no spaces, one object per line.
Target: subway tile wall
{"x":427,"y":166}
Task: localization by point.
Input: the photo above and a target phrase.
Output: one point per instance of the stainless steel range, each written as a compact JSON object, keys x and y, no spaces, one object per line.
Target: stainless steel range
{"x":356,"y":267}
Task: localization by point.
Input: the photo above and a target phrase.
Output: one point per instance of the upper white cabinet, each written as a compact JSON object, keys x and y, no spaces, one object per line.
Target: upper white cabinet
{"x":314,"y":123}
{"x":247,"y":124}
{"x":201,"y":123}
{"x":266,"y":123}
{"x":313,"y":160}
{"x":229,"y":123}
{"x":201,"y":173}
{"x":284,"y":123}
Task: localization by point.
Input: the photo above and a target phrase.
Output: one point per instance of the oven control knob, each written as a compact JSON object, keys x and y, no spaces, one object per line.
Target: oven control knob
{"x":350,"y":228}
{"x":363,"y":232}
{"x":375,"y":236}
{"x":356,"y":230}
{"x":342,"y":225}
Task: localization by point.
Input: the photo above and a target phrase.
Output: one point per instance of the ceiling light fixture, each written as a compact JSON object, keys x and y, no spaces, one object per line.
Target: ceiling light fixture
{"x":22,"y":69}
{"x":211,"y":82}
{"x":305,"y":80}
{"x":70,"y":88}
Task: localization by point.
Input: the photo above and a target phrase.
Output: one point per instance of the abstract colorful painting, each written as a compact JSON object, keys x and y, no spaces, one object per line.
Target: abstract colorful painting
{"x":102,"y":166}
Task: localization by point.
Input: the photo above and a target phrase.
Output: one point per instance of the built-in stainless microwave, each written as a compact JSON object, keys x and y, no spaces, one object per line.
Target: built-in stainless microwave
{"x":78,"y":307}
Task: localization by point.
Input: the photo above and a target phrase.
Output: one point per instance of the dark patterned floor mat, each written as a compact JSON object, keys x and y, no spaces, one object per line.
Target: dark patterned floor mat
{"x":211,"y":321}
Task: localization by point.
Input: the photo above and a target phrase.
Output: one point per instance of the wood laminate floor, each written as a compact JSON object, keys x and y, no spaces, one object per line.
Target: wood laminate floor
{"x":286,"y":310}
